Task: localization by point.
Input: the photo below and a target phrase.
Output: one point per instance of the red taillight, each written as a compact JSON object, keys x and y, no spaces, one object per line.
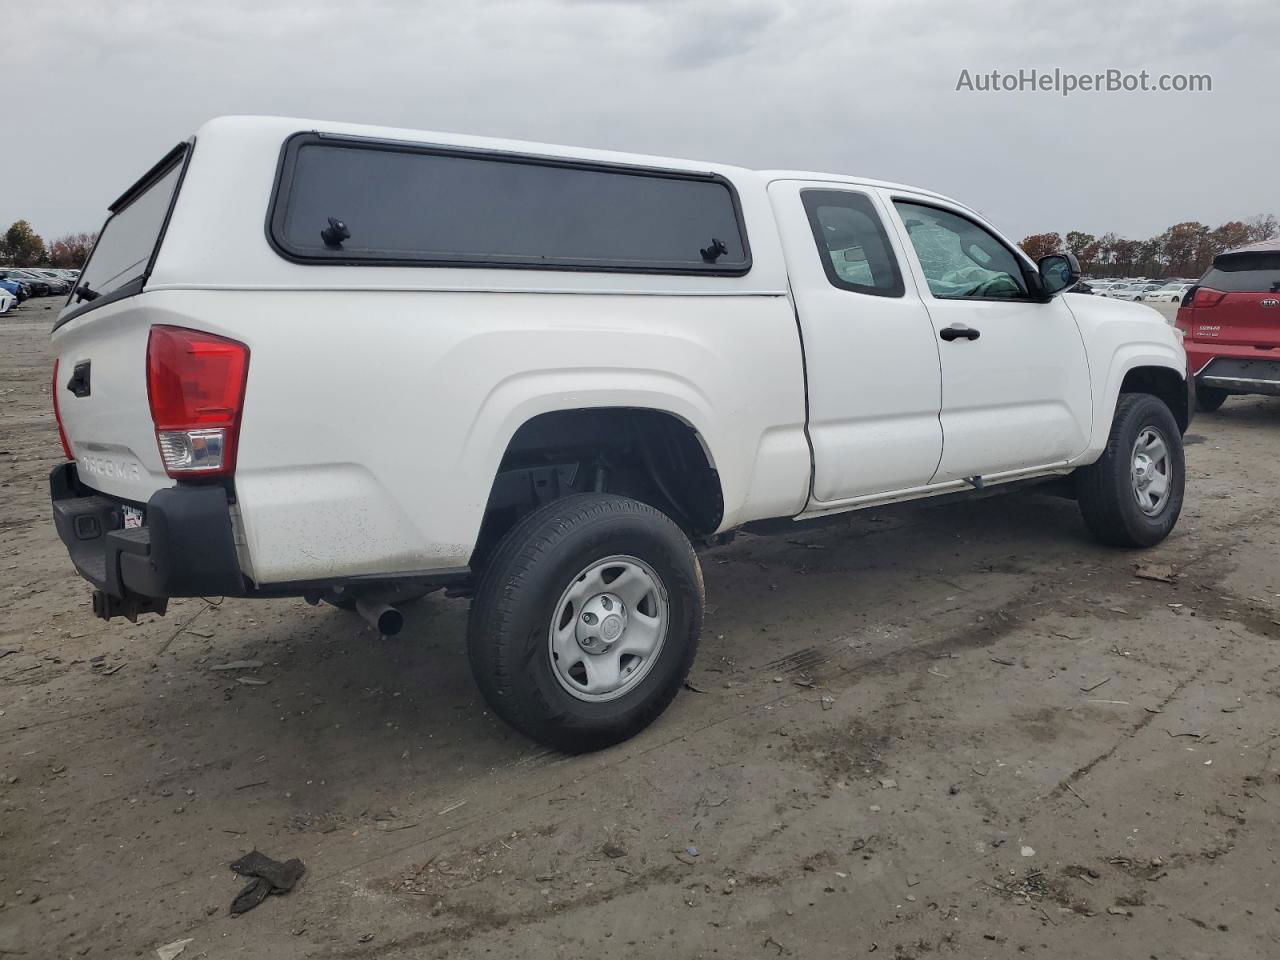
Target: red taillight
{"x":57,"y":415}
{"x":195,"y":383}
{"x":1207,"y":297}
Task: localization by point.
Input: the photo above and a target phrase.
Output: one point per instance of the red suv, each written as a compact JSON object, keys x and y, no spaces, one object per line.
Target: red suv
{"x":1231,"y":324}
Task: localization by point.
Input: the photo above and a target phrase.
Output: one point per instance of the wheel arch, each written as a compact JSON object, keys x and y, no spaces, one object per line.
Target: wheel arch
{"x":1139,"y":368}
{"x":650,"y":453}
{"x":1164,"y":382}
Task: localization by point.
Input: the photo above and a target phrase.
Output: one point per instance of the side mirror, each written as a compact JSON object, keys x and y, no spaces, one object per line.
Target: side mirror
{"x":1058,"y":271}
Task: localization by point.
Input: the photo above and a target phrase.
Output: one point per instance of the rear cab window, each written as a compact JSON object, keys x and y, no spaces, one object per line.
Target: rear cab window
{"x":852,"y":242}
{"x":354,"y":201}
{"x":125,"y":251}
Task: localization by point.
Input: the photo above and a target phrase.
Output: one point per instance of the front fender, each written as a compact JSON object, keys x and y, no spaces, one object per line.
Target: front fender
{"x":1123,"y":361}
{"x":1120,"y":337}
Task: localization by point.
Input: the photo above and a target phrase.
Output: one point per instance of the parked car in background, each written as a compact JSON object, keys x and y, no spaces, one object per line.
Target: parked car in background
{"x":1116,"y":290}
{"x":1169,"y":293}
{"x":58,"y":284}
{"x":1134,"y":291}
{"x":39,"y":286}
{"x":1230,"y":323}
{"x":1146,"y":289}
{"x":7,"y":300}
{"x":256,"y":389}
{"x":19,"y":289}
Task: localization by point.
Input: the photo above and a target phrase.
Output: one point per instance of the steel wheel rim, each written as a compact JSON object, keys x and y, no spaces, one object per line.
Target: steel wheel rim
{"x":608,"y":628}
{"x":1151,"y":470}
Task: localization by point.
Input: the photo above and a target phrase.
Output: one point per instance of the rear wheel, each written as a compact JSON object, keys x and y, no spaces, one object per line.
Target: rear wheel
{"x":586,"y":621}
{"x":1209,"y":399}
{"x":1132,"y":496}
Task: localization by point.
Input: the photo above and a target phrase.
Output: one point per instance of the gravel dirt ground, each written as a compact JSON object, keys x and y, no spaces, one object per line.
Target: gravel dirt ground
{"x":956,"y":730}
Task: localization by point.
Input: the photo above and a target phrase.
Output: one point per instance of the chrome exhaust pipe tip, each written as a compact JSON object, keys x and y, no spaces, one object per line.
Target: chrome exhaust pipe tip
{"x":383,"y":617}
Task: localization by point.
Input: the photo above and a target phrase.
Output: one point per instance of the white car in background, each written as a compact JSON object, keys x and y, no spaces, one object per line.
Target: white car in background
{"x":1134,"y":291}
{"x":1116,"y":290}
{"x":1169,"y":293}
{"x":7,"y":300}
{"x":1144,"y":290}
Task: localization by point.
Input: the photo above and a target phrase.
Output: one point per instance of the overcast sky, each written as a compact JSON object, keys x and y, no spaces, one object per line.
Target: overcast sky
{"x":100,"y":90}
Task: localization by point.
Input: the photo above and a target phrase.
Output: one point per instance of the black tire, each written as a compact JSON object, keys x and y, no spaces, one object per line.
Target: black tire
{"x":520,"y":589}
{"x":1209,"y":399}
{"x":1105,"y":489}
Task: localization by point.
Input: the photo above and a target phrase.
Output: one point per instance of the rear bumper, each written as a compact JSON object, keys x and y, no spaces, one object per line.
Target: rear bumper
{"x":185,"y":548}
{"x":1240,"y":369}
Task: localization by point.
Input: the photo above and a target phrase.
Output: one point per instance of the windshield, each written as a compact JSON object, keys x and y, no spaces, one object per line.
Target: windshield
{"x":132,"y":232}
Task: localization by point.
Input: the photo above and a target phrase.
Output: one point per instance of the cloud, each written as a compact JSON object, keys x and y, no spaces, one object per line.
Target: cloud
{"x":865,"y":87}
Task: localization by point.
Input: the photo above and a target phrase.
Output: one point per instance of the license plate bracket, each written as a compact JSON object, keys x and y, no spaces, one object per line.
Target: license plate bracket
{"x":134,"y":519}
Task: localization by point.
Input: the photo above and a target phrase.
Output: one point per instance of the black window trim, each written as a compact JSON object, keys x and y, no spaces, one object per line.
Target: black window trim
{"x":1030,"y":279}
{"x":824,"y":252}
{"x":180,"y":154}
{"x":288,"y":161}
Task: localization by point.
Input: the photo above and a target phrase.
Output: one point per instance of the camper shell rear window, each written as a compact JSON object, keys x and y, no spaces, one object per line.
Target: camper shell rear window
{"x":349,"y":200}
{"x":126,"y":248}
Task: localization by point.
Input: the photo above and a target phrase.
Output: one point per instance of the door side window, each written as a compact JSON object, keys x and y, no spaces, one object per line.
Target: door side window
{"x":852,"y":242}
{"x":961,"y":260}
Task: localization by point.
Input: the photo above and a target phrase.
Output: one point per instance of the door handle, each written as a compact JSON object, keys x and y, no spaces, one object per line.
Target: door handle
{"x":958,"y":333}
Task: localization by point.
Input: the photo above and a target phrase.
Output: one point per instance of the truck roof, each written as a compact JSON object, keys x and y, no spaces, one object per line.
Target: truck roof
{"x":284,"y":126}
{"x":1261,"y":246}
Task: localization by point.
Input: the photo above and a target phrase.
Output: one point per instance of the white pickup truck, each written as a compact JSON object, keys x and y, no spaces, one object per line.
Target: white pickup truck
{"x":356,"y":364}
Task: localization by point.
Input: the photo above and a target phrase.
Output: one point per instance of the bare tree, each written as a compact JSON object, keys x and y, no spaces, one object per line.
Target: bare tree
{"x":1263,"y":227}
{"x":72,"y":250}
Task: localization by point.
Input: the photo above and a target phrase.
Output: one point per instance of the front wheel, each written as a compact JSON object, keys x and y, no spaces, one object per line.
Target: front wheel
{"x":1132,"y":496}
{"x":586,"y":621}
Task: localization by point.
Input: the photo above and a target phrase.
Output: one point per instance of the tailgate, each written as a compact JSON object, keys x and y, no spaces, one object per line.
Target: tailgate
{"x":1245,"y":319}
{"x":102,"y":400}
{"x":1238,"y":301}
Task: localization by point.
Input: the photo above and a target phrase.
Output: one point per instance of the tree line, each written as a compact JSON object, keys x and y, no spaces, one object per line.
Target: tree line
{"x":1184,"y":250}
{"x":21,"y":246}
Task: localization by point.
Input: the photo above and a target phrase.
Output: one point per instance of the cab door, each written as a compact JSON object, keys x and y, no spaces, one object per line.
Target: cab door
{"x":1015,"y":376}
{"x":871,"y":357}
